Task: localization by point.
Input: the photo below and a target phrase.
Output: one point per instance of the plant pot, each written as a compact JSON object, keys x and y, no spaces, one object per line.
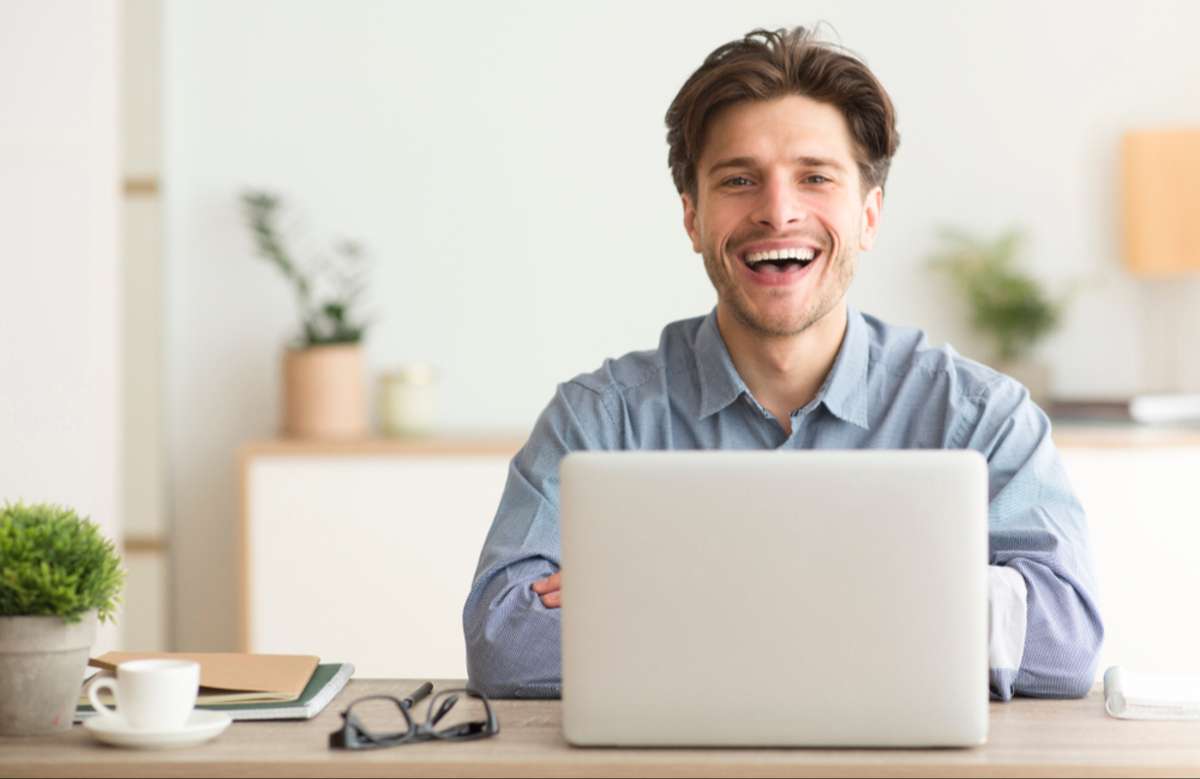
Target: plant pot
{"x":324,"y":392}
{"x":42,"y":660}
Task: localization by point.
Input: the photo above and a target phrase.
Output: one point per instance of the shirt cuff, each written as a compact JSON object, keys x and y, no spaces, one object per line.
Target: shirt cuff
{"x":1006,"y":617}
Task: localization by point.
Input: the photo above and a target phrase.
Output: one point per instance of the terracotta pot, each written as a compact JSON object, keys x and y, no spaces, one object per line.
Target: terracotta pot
{"x":324,"y":392}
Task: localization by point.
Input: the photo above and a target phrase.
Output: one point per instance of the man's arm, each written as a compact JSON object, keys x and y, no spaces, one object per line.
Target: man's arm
{"x":513,"y":639}
{"x":1045,"y":628}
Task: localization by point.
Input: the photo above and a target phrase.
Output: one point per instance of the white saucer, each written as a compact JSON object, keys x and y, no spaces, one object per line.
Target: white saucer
{"x":201,"y":725}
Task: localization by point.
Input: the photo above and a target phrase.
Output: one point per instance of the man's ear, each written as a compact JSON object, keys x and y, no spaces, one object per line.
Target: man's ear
{"x":872,"y":208}
{"x":689,"y":221}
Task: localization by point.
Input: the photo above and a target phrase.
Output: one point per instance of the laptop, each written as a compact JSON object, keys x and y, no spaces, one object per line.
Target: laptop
{"x":751,"y":598}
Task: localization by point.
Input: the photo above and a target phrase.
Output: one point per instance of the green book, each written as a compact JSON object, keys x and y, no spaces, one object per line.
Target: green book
{"x":326,"y":682}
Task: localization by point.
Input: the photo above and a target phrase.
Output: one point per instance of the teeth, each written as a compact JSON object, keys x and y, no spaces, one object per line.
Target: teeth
{"x":792,"y":253}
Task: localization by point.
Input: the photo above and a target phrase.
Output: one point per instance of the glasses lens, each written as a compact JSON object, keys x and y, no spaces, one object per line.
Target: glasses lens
{"x":458,"y":714}
{"x":382,"y":718}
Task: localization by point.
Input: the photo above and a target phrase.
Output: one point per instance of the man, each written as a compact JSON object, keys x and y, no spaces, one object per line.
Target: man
{"x":779,"y":147}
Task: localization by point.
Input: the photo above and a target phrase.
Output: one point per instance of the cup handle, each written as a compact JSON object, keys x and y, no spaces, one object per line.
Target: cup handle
{"x":104,"y":682}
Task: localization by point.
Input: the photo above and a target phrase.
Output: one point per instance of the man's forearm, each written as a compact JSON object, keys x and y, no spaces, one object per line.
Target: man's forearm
{"x":1044,"y":636}
{"x":514,"y":643}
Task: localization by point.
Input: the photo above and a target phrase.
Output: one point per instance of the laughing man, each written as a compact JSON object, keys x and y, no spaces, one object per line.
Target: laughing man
{"x":779,"y":148}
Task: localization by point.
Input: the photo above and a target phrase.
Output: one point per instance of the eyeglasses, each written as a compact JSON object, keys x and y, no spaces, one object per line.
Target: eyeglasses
{"x":460,"y":714}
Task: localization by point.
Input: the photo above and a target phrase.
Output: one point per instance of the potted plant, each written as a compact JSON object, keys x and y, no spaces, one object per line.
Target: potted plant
{"x":1008,"y":306}
{"x":324,"y":393}
{"x":59,"y":577}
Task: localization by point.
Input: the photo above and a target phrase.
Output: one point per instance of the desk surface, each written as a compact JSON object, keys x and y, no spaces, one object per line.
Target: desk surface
{"x":1028,"y":738}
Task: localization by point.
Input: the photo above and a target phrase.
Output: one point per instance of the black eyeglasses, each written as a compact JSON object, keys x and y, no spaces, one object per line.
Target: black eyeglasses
{"x":460,"y":714}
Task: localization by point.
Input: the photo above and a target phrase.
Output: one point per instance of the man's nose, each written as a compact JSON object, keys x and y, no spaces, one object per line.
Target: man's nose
{"x":780,"y":206}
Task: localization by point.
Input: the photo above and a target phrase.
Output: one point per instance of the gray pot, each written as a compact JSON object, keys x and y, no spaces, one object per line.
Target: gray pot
{"x":41,"y":672}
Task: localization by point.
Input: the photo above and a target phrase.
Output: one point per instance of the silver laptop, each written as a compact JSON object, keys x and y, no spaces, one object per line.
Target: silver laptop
{"x":741,"y":598}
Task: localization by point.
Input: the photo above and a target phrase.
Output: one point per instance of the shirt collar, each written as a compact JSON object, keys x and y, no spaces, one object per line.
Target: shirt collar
{"x":844,"y":392}
{"x":720,"y":383}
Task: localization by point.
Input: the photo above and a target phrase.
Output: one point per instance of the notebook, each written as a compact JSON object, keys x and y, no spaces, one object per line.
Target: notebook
{"x":1133,"y":695}
{"x":230,"y":677}
{"x":326,"y":682}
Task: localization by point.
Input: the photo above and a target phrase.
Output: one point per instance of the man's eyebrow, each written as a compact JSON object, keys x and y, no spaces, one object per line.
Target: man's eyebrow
{"x":750,"y":162}
{"x":821,"y":162}
{"x":732,"y":162}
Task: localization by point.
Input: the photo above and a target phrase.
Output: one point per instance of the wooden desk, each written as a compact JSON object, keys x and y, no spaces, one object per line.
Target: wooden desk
{"x":1028,"y":738}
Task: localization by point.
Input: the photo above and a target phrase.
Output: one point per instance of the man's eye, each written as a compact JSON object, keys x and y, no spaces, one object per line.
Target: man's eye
{"x":737,"y":181}
{"x":815,"y":178}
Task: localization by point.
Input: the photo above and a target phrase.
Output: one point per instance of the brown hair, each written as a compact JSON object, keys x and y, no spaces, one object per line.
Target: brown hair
{"x":768,"y":64}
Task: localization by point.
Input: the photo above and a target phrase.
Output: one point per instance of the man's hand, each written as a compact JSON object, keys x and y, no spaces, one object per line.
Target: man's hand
{"x":549,"y":590}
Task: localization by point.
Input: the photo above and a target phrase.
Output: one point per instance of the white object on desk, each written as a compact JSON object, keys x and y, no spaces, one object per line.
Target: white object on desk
{"x":150,"y":694}
{"x":201,"y":726}
{"x":1134,"y":695}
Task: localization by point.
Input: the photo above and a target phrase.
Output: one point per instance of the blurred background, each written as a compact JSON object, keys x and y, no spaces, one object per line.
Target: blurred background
{"x":503,"y":166}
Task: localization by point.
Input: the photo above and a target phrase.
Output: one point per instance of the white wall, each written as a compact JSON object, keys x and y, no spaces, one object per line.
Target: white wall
{"x":506,"y":163}
{"x":59,"y":271}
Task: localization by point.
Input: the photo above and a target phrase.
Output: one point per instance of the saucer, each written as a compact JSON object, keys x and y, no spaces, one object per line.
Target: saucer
{"x":201,"y":726}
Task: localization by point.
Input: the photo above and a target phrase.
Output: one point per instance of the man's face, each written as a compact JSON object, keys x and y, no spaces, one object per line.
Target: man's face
{"x":780,"y":176}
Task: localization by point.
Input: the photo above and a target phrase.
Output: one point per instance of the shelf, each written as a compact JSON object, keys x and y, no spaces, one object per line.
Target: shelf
{"x":1067,"y":434}
{"x":449,"y":445}
{"x":1097,"y":435}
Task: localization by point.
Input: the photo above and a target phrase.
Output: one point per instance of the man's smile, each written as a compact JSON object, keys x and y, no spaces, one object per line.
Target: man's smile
{"x":776,"y":263}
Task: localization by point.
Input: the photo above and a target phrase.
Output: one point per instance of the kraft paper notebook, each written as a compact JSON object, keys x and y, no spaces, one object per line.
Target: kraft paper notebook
{"x":231,"y":677}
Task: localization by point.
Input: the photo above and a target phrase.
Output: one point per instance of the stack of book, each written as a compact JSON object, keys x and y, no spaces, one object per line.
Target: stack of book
{"x":245,"y":686}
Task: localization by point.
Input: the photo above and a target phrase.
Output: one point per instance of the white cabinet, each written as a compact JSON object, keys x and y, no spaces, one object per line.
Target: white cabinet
{"x":365,"y":552}
{"x":1142,"y":497}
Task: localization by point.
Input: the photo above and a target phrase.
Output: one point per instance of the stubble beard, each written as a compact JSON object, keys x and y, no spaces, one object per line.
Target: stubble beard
{"x":790,"y":323}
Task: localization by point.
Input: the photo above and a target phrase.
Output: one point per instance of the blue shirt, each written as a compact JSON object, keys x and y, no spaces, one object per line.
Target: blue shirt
{"x":888,"y":389}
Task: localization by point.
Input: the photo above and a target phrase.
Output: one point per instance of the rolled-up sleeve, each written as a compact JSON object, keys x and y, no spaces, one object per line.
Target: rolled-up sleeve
{"x":1037,"y":530}
{"x":514,"y":645}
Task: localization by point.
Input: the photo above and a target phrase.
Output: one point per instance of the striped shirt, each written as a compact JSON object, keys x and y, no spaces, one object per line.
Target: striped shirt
{"x":888,"y":389}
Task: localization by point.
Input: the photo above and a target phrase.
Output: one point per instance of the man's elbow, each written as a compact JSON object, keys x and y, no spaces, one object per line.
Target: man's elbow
{"x":487,"y":675}
{"x":1078,"y":685}
{"x":494,"y":667}
{"x":1065,"y":668}
{"x":513,"y":652}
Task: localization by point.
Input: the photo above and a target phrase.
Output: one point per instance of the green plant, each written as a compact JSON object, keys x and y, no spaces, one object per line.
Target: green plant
{"x":53,"y":563}
{"x":326,"y":290}
{"x":1007,"y":304}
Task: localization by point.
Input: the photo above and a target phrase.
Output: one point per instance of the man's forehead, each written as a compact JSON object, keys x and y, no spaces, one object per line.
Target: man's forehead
{"x":793,"y":128}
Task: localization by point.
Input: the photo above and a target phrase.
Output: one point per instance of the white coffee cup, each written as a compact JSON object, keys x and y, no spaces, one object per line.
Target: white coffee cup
{"x":151,"y":694}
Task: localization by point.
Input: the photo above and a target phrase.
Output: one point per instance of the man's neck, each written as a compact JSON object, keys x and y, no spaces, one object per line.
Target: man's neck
{"x":785,"y":372}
